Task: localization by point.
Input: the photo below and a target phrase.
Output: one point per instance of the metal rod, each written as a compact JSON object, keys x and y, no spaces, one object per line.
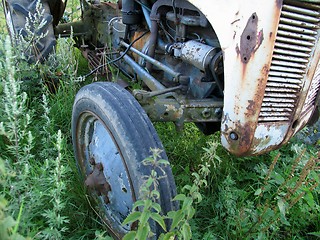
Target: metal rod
{"x":149,"y":80}
{"x":146,"y":11}
{"x":146,"y":16}
{"x":153,"y":61}
{"x":74,"y":28}
{"x":152,"y":42}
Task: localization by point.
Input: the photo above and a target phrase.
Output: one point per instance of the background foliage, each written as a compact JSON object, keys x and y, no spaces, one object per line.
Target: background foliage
{"x":274,"y":196}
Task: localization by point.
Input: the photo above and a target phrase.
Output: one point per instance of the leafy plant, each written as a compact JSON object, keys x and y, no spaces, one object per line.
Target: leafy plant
{"x":273,"y":196}
{"x":179,"y":220}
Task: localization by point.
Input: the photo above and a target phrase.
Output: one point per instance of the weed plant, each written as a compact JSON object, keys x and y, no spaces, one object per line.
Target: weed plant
{"x":274,"y":196}
{"x":271,"y":197}
{"x":41,"y":195}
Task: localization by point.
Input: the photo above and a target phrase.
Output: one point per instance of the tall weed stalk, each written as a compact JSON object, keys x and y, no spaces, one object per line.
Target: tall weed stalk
{"x":279,"y":201}
{"x":35,"y":188}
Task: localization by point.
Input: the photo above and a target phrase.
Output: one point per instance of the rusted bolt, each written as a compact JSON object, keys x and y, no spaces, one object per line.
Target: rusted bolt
{"x":92,"y":161}
{"x":206,"y":113}
{"x":139,"y":96}
{"x":233,"y":136}
{"x":99,"y":166}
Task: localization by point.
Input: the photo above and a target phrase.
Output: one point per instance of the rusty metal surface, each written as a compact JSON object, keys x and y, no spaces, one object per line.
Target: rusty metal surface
{"x":247,"y":40}
{"x":153,"y":61}
{"x":149,"y":80}
{"x":266,"y":48}
{"x":96,"y":181}
{"x":298,"y":63}
{"x":250,"y":39}
{"x":170,"y":109}
{"x":106,"y":174}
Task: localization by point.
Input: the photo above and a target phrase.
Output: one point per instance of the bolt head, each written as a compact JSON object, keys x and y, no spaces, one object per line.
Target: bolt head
{"x":234,"y":136}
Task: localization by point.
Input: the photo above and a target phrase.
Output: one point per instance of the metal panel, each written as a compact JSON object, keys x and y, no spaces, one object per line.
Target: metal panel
{"x":296,"y":38}
{"x":269,"y":71}
{"x":313,"y":92}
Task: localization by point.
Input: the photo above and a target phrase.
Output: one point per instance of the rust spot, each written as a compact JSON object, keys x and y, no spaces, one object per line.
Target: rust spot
{"x":139,"y":44}
{"x":265,"y":70}
{"x":245,"y":134}
{"x":251,"y":106}
{"x":96,"y":181}
{"x":113,"y":5}
{"x":246,"y":130}
{"x":250,"y":40}
{"x":255,"y":104}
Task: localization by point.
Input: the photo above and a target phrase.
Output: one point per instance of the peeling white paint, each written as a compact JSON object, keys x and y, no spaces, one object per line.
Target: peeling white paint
{"x":268,"y":136}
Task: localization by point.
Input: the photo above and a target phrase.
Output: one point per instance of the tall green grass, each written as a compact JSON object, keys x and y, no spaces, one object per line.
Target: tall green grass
{"x":41,"y":194}
{"x":274,"y":196}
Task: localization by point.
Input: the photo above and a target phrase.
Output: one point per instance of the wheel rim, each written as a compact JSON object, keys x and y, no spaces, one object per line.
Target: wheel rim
{"x":96,"y":146}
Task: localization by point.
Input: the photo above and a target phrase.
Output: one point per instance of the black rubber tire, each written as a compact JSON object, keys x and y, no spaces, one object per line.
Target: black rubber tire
{"x":131,"y":131}
{"x":16,"y":12}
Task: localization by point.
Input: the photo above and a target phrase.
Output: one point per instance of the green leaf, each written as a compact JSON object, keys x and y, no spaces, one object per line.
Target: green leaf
{"x":308,"y":197}
{"x":155,"y":193}
{"x":197,"y":196}
{"x":179,"y":197}
{"x":171,"y":214}
{"x":130,"y":235}
{"x":278,"y":178}
{"x":190,"y":212}
{"x":132,"y":217}
{"x":144,"y":217}
{"x":149,"y":182}
{"x":178,"y":216}
{"x":187,"y":203}
{"x":186,"y":231}
{"x":156,"y":206}
{"x":164,"y":162}
{"x":156,"y":217}
{"x":1,"y":88}
{"x":2,"y":167}
{"x":282,"y":207}
{"x":258,"y":192}
{"x":168,"y":236}
{"x":3,"y":203}
{"x":138,"y":203}
{"x":317,"y":234}
{"x":147,"y":203}
{"x":142,"y":233}
{"x":196,"y":175}
{"x":186,"y":187}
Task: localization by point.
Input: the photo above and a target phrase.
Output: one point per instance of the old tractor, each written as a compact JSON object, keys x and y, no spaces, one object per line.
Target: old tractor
{"x":247,"y":68}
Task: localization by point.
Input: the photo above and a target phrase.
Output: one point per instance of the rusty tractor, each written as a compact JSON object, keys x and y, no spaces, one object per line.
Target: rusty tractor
{"x":249,"y":69}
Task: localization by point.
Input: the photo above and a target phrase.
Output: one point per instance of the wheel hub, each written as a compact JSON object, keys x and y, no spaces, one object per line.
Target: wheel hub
{"x":96,"y":181}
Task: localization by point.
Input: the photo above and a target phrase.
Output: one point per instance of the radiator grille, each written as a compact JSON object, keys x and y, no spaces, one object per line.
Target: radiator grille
{"x":295,"y":41}
{"x":312,"y":94}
